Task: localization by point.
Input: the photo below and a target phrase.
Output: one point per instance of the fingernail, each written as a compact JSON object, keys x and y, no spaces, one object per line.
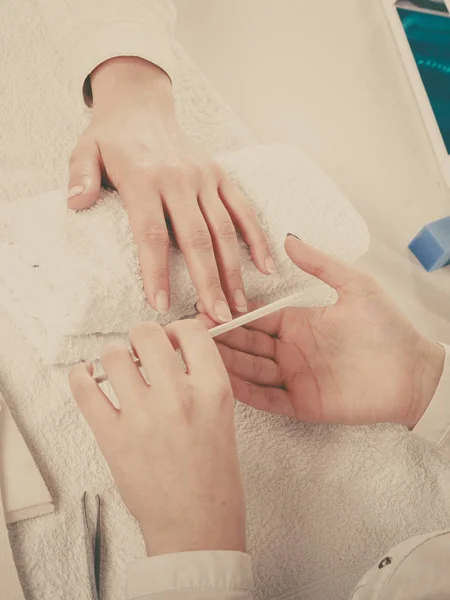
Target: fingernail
{"x":199,"y":307}
{"x":222,"y":311}
{"x":240,"y":301}
{"x":162,"y":301}
{"x":75,"y":191}
{"x":270,"y":265}
{"x":294,"y":236}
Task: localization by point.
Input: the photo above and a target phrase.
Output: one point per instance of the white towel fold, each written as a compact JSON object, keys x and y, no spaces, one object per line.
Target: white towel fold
{"x":72,"y":276}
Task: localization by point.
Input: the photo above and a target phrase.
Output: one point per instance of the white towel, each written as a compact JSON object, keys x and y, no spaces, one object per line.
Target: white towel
{"x":323,"y":502}
{"x":10,"y":588}
{"x":24,"y":492}
{"x":71,"y":275}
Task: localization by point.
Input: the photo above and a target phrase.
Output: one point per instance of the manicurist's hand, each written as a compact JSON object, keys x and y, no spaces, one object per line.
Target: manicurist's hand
{"x":134,"y":143}
{"x":358,"y":361}
{"x":171,"y":448}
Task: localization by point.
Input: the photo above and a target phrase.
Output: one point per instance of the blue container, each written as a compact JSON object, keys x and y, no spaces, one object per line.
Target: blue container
{"x":431,"y":246}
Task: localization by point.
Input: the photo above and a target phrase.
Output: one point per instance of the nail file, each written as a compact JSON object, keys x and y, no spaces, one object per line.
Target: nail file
{"x":264,"y":311}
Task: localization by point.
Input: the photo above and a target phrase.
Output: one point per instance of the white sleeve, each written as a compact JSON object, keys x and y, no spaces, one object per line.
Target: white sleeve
{"x":88,"y":32}
{"x":208,"y":575}
{"x":434,"y":426}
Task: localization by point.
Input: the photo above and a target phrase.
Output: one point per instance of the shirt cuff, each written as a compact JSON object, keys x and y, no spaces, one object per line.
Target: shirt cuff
{"x":225,"y":570}
{"x":434,"y":425}
{"x":147,"y":41}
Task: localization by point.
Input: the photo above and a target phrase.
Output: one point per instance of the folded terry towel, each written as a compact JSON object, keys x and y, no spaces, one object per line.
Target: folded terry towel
{"x":71,"y":276}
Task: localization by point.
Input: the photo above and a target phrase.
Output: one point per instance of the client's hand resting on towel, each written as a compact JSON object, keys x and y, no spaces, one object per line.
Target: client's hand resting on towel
{"x":358,"y":361}
{"x":135,"y":144}
{"x":171,"y":448}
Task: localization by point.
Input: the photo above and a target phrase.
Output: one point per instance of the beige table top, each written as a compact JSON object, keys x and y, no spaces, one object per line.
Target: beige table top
{"x":327,"y":77}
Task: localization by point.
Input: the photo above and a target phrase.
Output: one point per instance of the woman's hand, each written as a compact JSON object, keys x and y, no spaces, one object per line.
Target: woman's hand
{"x":171,"y":448}
{"x":136,"y":145}
{"x":358,"y":361}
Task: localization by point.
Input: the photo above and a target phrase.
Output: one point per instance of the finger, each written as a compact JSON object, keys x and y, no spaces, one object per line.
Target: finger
{"x":254,"y":369}
{"x":85,"y":174}
{"x":269,"y":325}
{"x":199,"y":307}
{"x":249,"y":341}
{"x":149,"y":229}
{"x":95,"y":406}
{"x":123,"y":374}
{"x":247,"y":222}
{"x":226,"y":248}
{"x":332,"y":271}
{"x":195,"y":242}
{"x":157,"y":355}
{"x":268,"y":399}
{"x":200,"y":354}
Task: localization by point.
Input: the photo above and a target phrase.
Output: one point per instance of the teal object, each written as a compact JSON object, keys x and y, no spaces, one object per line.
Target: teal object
{"x":429,"y":38}
{"x":431,"y":246}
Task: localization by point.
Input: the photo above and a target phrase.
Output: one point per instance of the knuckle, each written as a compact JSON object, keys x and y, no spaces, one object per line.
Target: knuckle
{"x":156,"y":274}
{"x":199,"y":239}
{"x":214,"y":284}
{"x":143,"y":331}
{"x":194,"y":173}
{"x":226,"y":230}
{"x":215,"y":169}
{"x":318,"y":271}
{"x":154,"y":235}
{"x":218,"y":388}
{"x":143,"y":170}
{"x":175,"y":176}
{"x":233,"y":275}
{"x":112,"y":352}
{"x":187,"y":327}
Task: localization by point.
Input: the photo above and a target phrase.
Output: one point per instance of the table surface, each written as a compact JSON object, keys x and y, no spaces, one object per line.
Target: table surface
{"x":327,"y":77}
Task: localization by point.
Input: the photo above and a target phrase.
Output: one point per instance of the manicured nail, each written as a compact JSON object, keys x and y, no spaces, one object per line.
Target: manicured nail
{"x":240,"y":301}
{"x":222,"y":311}
{"x":162,"y":301}
{"x":270,"y":265}
{"x":75,"y":191}
{"x":294,"y":236}
{"x":199,"y":307}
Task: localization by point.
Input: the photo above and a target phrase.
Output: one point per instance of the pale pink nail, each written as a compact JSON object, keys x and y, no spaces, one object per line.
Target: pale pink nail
{"x":270,"y":265}
{"x":162,"y":301}
{"x":222,"y":311}
{"x":75,"y":191}
{"x":240,"y":301}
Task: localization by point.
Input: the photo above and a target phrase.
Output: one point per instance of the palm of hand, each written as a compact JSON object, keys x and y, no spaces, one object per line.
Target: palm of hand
{"x":355,"y":362}
{"x":349,"y":362}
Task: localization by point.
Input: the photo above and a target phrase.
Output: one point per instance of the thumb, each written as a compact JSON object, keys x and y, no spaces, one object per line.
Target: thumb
{"x":84,"y":174}
{"x":332,"y":271}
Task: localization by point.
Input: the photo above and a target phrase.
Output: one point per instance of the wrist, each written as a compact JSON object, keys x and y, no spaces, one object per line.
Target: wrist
{"x":428,"y":373}
{"x":191,"y":535}
{"x":125,"y":77}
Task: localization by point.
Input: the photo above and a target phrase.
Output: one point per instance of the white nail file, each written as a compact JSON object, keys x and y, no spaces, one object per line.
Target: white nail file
{"x":264,"y":311}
